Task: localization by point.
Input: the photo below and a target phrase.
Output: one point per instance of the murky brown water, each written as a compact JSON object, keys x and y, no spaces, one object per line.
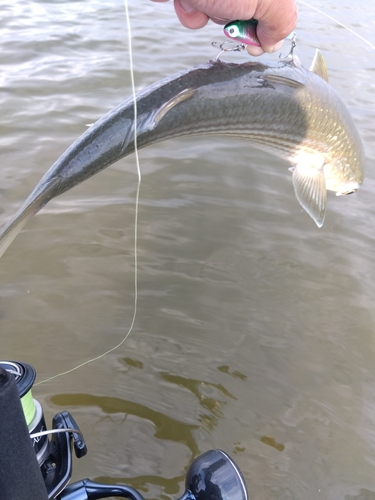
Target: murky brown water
{"x":254,"y":331}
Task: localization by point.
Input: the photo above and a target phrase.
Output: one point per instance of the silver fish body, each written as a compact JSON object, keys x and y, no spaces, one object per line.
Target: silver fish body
{"x":284,"y":109}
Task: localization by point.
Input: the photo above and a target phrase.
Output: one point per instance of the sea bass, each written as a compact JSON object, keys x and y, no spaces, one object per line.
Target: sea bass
{"x":283,"y":108}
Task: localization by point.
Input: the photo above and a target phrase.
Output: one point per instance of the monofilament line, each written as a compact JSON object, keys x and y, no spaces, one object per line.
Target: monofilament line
{"x":337,"y":22}
{"x":131,"y":70}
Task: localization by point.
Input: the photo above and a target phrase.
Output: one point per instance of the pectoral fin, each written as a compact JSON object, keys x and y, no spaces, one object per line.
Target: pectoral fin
{"x":289,"y":82}
{"x":165,"y":108}
{"x":148,"y":121}
{"x":310,"y":189}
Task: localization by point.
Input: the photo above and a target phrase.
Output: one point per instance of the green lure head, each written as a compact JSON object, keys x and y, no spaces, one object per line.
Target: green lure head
{"x":243,"y":31}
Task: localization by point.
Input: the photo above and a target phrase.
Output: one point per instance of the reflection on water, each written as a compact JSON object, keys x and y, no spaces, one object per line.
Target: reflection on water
{"x":255,"y":330}
{"x":205,"y":392}
{"x":165,"y":427}
{"x":363,"y":495}
{"x":130,"y":414}
{"x":271,"y":442}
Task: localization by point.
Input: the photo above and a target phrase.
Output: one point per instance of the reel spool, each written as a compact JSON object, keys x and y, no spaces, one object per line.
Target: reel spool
{"x":25,"y":377}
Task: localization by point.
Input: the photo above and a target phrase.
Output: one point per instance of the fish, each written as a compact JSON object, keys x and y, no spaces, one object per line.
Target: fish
{"x":282,"y":108}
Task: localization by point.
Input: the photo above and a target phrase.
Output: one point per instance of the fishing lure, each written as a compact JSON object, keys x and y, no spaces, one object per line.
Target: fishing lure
{"x":243,"y":31}
{"x":246,"y":32}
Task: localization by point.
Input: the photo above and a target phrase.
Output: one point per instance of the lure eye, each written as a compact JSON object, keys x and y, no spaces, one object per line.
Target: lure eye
{"x":233,"y":31}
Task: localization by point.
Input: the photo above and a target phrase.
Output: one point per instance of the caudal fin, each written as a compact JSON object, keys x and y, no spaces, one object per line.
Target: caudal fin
{"x":37,"y":199}
{"x":14,"y":226}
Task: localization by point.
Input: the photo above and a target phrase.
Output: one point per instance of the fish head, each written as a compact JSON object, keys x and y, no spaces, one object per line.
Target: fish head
{"x":341,"y":143}
{"x":330,"y":156}
{"x":315,"y":173}
{"x":344,"y":174}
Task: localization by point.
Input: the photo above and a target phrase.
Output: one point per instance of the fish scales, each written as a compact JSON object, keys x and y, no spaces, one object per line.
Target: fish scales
{"x":241,"y":105}
{"x":283,"y":108}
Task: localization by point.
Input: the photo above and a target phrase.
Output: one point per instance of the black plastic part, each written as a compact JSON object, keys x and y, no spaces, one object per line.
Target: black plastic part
{"x":80,"y":448}
{"x":23,"y":373}
{"x":57,"y":468}
{"x":89,"y":490}
{"x":20,"y":476}
{"x":214,"y":476}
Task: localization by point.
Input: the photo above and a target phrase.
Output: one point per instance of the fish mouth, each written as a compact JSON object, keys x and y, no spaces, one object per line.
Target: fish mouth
{"x":349,"y":190}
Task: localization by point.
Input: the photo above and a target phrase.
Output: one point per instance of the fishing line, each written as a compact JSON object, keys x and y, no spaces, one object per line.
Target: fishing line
{"x":96,"y":358}
{"x":338,"y":22}
{"x":131,"y":70}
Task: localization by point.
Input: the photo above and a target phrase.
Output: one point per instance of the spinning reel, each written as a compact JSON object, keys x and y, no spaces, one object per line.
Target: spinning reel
{"x":36,"y":463}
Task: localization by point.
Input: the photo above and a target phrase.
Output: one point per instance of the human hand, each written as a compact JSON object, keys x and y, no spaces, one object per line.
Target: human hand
{"x":276,"y":18}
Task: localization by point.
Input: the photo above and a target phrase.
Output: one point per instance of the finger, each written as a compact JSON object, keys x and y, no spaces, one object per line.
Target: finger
{"x":276,"y":23}
{"x":189,"y":16}
{"x":219,"y":20}
{"x":254,"y":51}
{"x":228,"y":9}
{"x":271,"y":48}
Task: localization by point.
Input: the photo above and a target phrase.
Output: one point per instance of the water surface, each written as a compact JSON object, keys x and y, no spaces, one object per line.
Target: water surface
{"x":255,"y":329}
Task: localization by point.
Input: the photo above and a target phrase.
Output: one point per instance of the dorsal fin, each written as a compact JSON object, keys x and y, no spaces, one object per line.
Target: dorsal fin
{"x":318,"y":66}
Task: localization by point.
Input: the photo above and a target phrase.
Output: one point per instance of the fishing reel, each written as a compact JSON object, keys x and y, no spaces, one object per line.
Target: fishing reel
{"x":42,"y":459}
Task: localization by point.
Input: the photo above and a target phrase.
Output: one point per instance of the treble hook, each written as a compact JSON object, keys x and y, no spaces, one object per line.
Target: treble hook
{"x":237,"y":48}
{"x":293,"y":46}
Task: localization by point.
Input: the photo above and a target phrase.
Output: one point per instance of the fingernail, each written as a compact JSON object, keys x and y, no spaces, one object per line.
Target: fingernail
{"x":186,"y":6}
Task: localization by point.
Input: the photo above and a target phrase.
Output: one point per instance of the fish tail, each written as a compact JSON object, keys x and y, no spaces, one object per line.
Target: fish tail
{"x":10,"y":231}
{"x":32,"y":205}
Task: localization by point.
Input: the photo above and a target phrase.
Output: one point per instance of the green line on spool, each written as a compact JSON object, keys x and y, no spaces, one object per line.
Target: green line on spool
{"x":28,"y":407}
